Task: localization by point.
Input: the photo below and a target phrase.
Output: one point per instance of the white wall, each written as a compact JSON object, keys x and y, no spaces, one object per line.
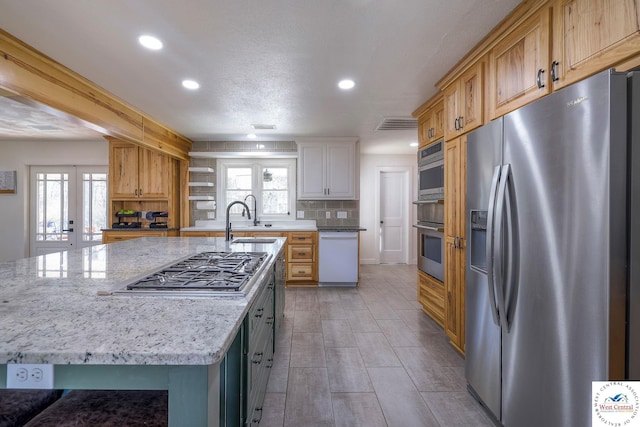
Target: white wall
{"x":369,"y":164}
{"x":18,"y":156}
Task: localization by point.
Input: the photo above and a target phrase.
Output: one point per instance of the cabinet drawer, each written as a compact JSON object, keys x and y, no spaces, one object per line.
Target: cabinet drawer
{"x":302,"y":237}
{"x":431,"y":296}
{"x":300,"y":253}
{"x":297,"y":271}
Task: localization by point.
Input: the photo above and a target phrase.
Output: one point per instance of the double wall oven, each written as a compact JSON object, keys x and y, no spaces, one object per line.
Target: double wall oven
{"x":430,"y":210}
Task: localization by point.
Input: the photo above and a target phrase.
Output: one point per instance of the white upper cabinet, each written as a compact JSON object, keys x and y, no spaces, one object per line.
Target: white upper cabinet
{"x":327,"y":169}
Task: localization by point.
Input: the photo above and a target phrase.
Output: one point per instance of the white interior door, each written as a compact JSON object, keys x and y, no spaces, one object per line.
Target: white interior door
{"x":393,"y":216}
{"x":68,"y":207}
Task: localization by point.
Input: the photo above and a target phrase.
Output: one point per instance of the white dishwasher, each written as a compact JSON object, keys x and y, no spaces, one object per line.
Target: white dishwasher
{"x":338,"y":258}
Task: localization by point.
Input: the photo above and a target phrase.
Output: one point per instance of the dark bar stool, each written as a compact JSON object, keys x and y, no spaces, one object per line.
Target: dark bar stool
{"x":106,"y":408}
{"x":19,"y":406}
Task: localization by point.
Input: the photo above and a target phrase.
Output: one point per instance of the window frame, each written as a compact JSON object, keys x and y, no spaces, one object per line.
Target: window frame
{"x":256,"y":166}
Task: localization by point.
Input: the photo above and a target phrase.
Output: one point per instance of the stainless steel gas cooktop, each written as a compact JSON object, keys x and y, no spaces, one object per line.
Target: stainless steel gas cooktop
{"x":204,"y":274}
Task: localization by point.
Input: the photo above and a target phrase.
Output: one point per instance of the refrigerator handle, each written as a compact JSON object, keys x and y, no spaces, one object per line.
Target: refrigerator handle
{"x":490,"y":243}
{"x":498,"y":244}
{"x":513,"y":255}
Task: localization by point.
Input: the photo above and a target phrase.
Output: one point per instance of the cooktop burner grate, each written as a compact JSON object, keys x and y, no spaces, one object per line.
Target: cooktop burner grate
{"x":214,"y":271}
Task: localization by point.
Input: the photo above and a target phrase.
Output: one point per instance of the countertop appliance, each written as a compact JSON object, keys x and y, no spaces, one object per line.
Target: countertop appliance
{"x":431,"y":171}
{"x":338,"y":258}
{"x":549,"y":188}
{"x":203,"y":274}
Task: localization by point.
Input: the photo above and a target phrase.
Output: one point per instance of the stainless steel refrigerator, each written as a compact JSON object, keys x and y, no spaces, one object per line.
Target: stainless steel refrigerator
{"x":549,"y":188}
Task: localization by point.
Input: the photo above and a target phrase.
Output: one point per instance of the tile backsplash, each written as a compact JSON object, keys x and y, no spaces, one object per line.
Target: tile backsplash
{"x":317,"y":209}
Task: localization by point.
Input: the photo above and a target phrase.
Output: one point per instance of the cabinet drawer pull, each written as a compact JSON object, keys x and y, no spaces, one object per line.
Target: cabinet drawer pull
{"x":259,"y":312}
{"x":539,"y":78}
{"x":300,"y":271}
{"x":257,"y":419}
{"x":135,"y":191}
{"x":257,"y":361}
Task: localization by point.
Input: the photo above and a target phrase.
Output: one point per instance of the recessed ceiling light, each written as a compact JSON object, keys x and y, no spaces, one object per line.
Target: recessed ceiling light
{"x":346,"y":84}
{"x":413,"y":144}
{"x":150,"y":42}
{"x":251,"y":135}
{"x":190,"y":84}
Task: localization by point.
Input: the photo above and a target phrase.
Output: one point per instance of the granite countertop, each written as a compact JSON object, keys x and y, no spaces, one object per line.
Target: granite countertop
{"x":247,"y":225}
{"x":51,"y":312}
{"x":140,"y":229}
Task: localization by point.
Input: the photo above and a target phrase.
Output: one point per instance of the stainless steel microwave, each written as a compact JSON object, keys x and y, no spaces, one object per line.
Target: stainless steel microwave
{"x":431,"y":171}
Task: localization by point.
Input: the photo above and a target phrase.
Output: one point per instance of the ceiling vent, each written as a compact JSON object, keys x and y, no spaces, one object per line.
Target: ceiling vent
{"x":397,"y":123}
{"x":263,"y":127}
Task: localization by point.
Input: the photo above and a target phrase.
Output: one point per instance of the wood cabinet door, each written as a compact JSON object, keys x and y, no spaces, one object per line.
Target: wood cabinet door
{"x":592,"y":35}
{"x":471,"y":99}
{"x":123,"y":171}
{"x":451,"y":296}
{"x":452,"y":187}
{"x":519,"y":66}
{"x":155,"y":174}
{"x":451,"y":107}
{"x":424,"y":126}
{"x":437,"y":121}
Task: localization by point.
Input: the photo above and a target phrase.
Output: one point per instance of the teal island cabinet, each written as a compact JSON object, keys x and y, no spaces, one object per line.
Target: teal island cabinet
{"x":212,"y":353}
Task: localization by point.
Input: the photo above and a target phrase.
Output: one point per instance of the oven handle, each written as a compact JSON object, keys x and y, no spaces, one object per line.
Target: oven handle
{"x":426,"y":227}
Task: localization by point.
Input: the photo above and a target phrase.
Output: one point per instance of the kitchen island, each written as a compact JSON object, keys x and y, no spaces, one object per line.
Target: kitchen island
{"x":58,"y":309}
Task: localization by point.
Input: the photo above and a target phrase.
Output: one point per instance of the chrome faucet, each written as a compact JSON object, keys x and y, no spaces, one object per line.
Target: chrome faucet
{"x":227,"y":230}
{"x":255,"y":209}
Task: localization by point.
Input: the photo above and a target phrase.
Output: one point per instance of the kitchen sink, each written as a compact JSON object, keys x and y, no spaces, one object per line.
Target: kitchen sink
{"x":253,"y":240}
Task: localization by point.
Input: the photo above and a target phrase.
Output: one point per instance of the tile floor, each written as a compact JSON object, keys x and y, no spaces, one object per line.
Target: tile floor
{"x":366,"y":357}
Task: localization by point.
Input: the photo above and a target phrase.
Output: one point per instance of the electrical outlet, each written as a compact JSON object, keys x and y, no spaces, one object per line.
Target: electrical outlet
{"x":38,"y":376}
{"x":328,"y":215}
{"x":300,"y":214}
{"x":342,"y":215}
{"x":211,"y":215}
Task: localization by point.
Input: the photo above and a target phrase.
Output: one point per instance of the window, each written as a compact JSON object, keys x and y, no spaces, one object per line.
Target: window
{"x":271,"y":181}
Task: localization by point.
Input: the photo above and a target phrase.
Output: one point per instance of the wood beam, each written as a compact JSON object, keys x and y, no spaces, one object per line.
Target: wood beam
{"x":38,"y":80}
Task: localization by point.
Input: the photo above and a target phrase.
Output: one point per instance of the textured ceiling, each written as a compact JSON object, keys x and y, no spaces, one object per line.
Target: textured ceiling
{"x":263,"y":61}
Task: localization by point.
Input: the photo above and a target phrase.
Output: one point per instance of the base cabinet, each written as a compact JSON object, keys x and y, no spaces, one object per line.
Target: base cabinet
{"x":431,"y":296}
{"x":110,"y":236}
{"x":302,"y":258}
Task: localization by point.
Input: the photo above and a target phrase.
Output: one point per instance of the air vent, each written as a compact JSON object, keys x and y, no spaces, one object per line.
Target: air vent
{"x":397,"y":123}
{"x":45,"y":128}
{"x":263,"y":127}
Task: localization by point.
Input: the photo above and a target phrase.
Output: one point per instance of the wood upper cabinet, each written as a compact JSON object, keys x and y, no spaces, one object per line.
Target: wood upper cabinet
{"x":592,"y":35}
{"x":431,"y":124}
{"x":463,"y":102}
{"x":455,"y":166}
{"x":135,"y":172}
{"x":519,"y":65}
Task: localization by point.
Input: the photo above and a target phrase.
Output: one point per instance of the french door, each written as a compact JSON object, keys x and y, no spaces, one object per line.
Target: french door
{"x":68,"y":207}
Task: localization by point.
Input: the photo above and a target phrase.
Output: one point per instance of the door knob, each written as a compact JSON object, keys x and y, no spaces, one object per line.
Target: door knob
{"x":381,"y":222}
{"x":70,"y":230}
